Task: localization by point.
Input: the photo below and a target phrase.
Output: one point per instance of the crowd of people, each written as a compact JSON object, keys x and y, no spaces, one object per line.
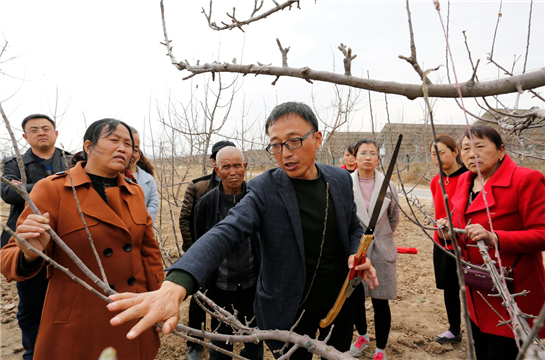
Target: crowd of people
{"x":276,"y":248}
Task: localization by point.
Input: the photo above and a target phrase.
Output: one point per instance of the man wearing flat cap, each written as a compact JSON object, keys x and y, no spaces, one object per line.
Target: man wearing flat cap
{"x":195,"y":190}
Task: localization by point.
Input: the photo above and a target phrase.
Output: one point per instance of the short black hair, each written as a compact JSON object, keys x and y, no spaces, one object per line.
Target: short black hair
{"x":94,"y":132}
{"x":37,"y":116}
{"x":364,"y":141}
{"x":351,"y":149}
{"x":297,"y":108}
{"x":483,"y":132}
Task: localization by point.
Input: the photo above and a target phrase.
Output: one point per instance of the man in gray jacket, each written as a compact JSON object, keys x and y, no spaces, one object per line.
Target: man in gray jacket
{"x":306,"y":217}
{"x":41,"y":160}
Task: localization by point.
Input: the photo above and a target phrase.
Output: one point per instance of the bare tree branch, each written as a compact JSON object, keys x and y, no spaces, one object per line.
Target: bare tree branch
{"x":91,"y":242}
{"x":235,"y":23}
{"x":55,"y":264}
{"x":412,"y":59}
{"x":347,"y":59}
{"x":284,"y":52}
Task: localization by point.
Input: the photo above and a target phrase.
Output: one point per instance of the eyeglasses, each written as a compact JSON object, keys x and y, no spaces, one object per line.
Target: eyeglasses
{"x":35,"y":130}
{"x":291,"y":144}
{"x":371,"y":154}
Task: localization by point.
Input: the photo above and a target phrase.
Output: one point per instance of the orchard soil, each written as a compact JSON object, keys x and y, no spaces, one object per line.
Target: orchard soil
{"x":417,"y":314}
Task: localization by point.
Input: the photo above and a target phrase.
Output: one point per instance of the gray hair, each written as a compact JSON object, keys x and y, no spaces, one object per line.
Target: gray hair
{"x":134,"y":131}
{"x":221,"y":152}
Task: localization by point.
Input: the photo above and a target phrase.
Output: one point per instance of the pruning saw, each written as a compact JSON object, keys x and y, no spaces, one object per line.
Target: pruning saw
{"x":354,"y":278}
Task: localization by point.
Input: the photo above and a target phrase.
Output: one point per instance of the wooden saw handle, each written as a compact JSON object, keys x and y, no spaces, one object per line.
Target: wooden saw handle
{"x":365,"y":241}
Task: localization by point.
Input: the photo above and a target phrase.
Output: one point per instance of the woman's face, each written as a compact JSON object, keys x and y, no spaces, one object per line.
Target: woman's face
{"x":367,"y":157}
{"x":111,"y":154}
{"x":136,"y":156}
{"x":448,"y":157}
{"x":486,"y":154}
{"x":349,"y":159}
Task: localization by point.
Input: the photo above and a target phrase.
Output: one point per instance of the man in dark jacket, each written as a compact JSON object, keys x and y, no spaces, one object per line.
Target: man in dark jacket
{"x":195,"y":190}
{"x":41,"y":160}
{"x":299,"y":209}
{"x":233,"y":284}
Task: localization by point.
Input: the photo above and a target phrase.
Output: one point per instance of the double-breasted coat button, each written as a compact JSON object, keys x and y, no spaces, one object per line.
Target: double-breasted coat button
{"x":108,"y":252}
{"x":127,"y":247}
{"x":131,"y":281}
{"x":297,"y":296}
{"x":112,"y":287}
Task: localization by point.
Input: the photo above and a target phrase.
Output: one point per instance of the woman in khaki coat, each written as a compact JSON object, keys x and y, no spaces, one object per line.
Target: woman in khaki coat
{"x":367,"y":181}
{"x":75,"y":323}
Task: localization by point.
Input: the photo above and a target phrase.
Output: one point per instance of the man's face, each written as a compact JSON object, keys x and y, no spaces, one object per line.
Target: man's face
{"x":298,"y":163}
{"x":40,"y":134}
{"x":230,"y":169}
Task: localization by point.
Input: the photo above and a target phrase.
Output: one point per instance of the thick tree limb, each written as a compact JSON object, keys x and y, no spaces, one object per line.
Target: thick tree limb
{"x":507,"y":85}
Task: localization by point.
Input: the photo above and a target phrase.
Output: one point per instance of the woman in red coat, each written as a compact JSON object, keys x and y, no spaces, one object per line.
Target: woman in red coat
{"x":515,"y":202}
{"x":75,"y":323}
{"x":444,"y":265}
{"x":349,"y":157}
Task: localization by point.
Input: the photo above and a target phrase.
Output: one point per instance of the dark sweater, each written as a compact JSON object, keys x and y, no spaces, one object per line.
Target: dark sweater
{"x":332,"y":269}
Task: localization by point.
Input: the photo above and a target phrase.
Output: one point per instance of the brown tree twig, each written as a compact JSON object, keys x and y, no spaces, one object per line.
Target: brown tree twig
{"x":21,"y":190}
{"x":528,"y":81}
{"x":538,"y":324}
{"x":54,"y":263}
{"x":317,"y":347}
{"x":412,"y":59}
{"x":348,"y":57}
{"x":450,"y":223}
{"x":511,"y":74}
{"x":496,"y":30}
{"x":235,"y":23}
{"x":251,"y":337}
{"x":529,"y":32}
{"x":474,"y":77}
{"x":520,"y":324}
{"x":253,"y":334}
{"x":91,"y":242}
{"x":284,"y":52}
{"x":19,"y":158}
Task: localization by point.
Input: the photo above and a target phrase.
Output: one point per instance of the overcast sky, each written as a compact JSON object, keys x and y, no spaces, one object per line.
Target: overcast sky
{"x":105,"y":58}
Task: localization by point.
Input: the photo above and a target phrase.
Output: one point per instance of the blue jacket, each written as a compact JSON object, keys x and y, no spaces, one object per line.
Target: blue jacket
{"x":151,"y":195}
{"x":271,"y":208}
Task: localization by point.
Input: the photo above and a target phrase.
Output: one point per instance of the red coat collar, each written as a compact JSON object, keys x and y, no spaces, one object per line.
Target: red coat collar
{"x":501,"y":178}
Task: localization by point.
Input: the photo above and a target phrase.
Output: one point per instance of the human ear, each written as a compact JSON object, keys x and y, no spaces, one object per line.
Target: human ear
{"x":318,"y":139}
{"x":87,"y":146}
